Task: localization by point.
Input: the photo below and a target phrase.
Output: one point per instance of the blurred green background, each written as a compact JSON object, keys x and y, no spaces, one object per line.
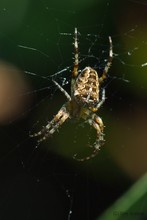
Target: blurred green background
{"x":37,"y":37}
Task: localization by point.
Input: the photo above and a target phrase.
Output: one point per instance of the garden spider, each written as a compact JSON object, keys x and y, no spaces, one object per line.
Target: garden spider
{"x":83,"y":101}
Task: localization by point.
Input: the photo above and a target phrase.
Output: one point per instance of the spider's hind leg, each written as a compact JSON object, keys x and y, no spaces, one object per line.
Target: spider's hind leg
{"x":97,"y":123}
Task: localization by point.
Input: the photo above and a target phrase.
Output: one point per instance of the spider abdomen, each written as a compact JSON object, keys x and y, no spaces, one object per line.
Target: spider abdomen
{"x":86,"y":91}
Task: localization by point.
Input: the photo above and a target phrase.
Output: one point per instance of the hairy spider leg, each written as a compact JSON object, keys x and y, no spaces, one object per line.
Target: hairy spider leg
{"x":97,"y":124}
{"x":100,"y":103}
{"x":102,"y":100}
{"x":76,"y":57}
{"x":63,"y":91}
{"x":53,"y":125}
{"x":105,"y":71}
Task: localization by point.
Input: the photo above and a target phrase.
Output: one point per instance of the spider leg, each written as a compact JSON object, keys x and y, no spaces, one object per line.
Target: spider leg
{"x":105,"y":71}
{"x":53,"y":125}
{"x":102,"y":100}
{"x":63,"y":90}
{"x":76,"y":58}
{"x":97,"y":123}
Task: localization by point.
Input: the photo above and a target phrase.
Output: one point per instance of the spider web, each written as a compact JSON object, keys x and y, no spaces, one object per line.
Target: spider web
{"x":38,"y":49}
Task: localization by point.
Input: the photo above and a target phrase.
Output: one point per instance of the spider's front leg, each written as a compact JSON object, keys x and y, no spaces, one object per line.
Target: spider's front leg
{"x":53,"y":125}
{"x":97,"y":123}
{"x":109,"y":62}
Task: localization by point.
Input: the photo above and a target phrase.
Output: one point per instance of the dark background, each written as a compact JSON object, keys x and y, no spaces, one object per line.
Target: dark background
{"x":46,"y":183}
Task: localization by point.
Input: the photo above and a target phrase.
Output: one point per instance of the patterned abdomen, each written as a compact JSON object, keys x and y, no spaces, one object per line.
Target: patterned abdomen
{"x":86,"y":90}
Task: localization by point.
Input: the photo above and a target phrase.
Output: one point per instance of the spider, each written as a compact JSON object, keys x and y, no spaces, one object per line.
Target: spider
{"x":83,"y":102}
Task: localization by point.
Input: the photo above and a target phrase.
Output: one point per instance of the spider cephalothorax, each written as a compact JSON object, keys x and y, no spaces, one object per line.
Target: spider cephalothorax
{"x":83,"y":102}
